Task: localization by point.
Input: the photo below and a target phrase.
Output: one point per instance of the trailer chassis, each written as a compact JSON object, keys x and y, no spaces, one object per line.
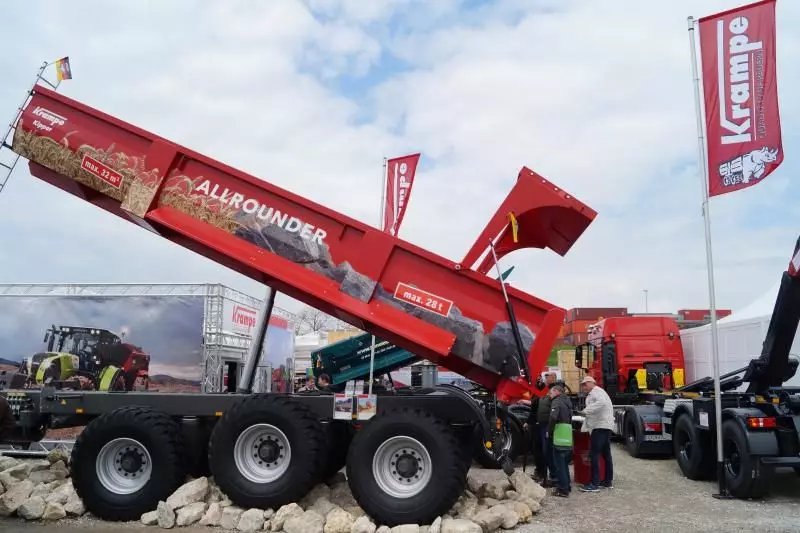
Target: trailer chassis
{"x":137,"y":447}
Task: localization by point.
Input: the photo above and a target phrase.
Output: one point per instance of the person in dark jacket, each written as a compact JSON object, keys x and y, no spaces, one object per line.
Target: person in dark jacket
{"x":560,"y":411}
{"x":538,"y":420}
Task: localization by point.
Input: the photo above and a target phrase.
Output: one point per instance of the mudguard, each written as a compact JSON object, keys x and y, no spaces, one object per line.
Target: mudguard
{"x":106,"y":377}
{"x":759,"y":442}
{"x":65,"y":363}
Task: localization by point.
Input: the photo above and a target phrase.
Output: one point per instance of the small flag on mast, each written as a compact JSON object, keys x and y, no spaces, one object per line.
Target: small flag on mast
{"x":505,"y":274}
{"x":63,"y":72}
{"x":514,"y":226}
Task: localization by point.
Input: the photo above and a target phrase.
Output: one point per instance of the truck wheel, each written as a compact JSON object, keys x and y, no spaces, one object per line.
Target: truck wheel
{"x":632,"y":439}
{"x":690,"y":445}
{"x":340,"y":434}
{"x":745,"y":476}
{"x":512,"y":441}
{"x":267,"y":451}
{"x":402,"y":467}
{"x":125,"y":461}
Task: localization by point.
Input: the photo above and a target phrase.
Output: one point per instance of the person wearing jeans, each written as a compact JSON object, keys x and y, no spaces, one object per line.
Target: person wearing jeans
{"x":560,"y":413}
{"x":599,"y":413}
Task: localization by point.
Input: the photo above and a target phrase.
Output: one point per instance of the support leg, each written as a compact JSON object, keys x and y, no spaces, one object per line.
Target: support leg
{"x":257,"y":344}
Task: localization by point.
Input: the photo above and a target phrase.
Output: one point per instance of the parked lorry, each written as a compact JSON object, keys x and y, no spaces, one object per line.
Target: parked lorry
{"x":408,"y":460}
{"x":760,"y":425}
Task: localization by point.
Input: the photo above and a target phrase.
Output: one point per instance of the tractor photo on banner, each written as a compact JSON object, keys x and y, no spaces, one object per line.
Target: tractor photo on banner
{"x":102,"y":342}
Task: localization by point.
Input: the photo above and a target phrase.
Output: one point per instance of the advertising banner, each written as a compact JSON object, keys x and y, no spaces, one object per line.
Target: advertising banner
{"x":155,"y":341}
{"x":400,"y":173}
{"x":741,"y":96}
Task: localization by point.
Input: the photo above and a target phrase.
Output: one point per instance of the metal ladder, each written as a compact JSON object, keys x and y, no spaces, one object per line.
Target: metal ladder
{"x":9,"y":158}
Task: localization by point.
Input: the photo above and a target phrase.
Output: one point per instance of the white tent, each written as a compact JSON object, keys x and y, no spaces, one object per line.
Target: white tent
{"x":741,"y":336}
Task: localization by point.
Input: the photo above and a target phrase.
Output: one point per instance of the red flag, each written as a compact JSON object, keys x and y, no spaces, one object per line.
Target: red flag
{"x":741,"y":96}
{"x":400,"y":173}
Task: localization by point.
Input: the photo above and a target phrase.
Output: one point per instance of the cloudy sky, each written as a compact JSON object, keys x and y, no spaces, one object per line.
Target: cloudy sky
{"x":595,"y":95}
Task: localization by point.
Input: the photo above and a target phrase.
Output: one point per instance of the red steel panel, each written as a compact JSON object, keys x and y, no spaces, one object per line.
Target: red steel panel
{"x":425,"y":303}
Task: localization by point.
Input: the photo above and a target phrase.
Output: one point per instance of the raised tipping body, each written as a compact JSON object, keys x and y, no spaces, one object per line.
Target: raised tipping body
{"x":433,"y":307}
{"x":407,"y":462}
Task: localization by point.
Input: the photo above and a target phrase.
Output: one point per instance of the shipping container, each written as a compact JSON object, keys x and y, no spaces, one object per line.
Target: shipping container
{"x":594,"y":313}
{"x":577,"y":326}
{"x":701,"y":314}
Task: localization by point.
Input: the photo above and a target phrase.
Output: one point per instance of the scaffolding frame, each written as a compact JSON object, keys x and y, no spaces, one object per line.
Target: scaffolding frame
{"x":7,"y":165}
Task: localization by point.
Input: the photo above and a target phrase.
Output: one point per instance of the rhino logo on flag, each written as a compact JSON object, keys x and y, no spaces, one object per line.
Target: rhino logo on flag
{"x":749,"y":166}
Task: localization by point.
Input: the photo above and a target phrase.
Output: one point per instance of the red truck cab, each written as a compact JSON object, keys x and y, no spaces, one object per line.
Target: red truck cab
{"x":634,"y":353}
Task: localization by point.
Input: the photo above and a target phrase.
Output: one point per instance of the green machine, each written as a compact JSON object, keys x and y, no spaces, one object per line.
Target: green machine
{"x":348,"y":359}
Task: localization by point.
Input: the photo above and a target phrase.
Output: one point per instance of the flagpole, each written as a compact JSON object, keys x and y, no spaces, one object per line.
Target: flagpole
{"x":723,"y":490}
{"x":380,"y":226}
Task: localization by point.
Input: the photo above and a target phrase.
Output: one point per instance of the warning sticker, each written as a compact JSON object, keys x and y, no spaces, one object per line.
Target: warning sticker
{"x":423,"y":299}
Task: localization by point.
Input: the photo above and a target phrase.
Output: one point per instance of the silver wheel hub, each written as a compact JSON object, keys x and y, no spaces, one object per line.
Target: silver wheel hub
{"x":402,"y":467}
{"x":262,"y":453}
{"x":123,"y":466}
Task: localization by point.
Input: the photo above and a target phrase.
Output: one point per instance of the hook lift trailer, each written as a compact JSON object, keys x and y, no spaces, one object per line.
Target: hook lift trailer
{"x":760,"y":425}
{"x":407,"y":462}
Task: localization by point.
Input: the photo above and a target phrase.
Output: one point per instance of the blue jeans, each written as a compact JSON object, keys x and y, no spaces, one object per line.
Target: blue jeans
{"x":561,"y":461}
{"x":601,"y":445}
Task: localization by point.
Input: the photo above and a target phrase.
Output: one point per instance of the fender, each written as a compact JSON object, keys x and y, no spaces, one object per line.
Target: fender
{"x":66,"y":365}
{"x":106,"y":377}
{"x":759,"y":442}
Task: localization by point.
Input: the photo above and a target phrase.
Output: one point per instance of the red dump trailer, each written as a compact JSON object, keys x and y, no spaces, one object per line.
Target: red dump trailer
{"x":268,"y":450}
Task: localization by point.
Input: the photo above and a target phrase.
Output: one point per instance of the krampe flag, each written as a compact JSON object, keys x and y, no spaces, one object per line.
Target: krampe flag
{"x":62,"y":69}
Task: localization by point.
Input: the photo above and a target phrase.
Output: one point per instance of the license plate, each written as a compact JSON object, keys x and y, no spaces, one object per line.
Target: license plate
{"x":652,"y":438}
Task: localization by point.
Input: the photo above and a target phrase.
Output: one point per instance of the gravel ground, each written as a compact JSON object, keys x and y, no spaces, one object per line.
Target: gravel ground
{"x":648,"y":495}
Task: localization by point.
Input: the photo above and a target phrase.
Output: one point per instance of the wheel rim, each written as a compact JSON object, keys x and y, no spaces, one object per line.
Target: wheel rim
{"x":501,"y":442}
{"x":731,"y":458}
{"x":262,"y":453}
{"x":631,"y":433}
{"x":123,"y":466}
{"x":402,"y":467}
{"x":685,"y":445}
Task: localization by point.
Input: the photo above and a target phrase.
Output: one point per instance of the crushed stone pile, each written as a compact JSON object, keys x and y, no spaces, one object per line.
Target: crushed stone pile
{"x":40,"y":489}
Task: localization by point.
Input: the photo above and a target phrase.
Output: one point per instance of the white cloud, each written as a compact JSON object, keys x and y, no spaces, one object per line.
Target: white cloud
{"x":595,"y":96}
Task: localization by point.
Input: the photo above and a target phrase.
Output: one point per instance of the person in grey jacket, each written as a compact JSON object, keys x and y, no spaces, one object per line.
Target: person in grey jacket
{"x":560,"y":411}
{"x":599,"y":413}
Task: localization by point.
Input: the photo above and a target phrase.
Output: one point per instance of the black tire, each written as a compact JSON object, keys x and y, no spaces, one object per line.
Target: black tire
{"x":445,"y":469}
{"x":633,"y":439}
{"x":160,"y":437}
{"x":339,"y":436}
{"x":301,"y":430}
{"x":690,"y":446}
{"x":488,"y":459}
{"x":745,"y":476}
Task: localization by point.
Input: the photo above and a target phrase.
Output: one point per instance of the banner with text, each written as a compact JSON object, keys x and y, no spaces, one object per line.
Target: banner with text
{"x":400,"y":173}
{"x":743,"y":129}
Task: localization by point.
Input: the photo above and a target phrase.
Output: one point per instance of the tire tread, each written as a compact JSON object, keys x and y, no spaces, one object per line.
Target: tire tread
{"x":311,"y":467}
{"x":450,"y":482}
{"x":157,"y":424}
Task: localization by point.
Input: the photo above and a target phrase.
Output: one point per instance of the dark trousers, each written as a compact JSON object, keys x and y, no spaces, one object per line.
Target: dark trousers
{"x":561,"y":463}
{"x":536,"y":448}
{"x":601,"y":446}
{"x":546,"y":445}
